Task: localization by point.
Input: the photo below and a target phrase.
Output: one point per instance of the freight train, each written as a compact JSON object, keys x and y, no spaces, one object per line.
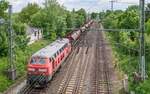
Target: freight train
{"x":45,"y":62}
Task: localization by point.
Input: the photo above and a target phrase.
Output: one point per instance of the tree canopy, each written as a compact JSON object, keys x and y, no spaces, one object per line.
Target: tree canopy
{"x":3,"y":8}
{"x":27,"y":12}
{"x":53,"y":18}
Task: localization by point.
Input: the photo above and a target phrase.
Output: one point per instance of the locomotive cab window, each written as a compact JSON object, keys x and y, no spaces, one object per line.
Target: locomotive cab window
{"x":55,"y":55}
{"x":42,"y":61}
{"x":50,"y":60}
{"x":38,"y":61}
{"x":33,"y":61}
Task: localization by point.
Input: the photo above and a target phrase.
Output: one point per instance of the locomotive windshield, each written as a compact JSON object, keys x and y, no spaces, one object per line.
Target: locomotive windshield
{"x":37,"y":61}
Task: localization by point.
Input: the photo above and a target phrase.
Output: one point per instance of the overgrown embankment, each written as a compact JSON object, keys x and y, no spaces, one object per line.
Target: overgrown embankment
{"x":126,"y":45}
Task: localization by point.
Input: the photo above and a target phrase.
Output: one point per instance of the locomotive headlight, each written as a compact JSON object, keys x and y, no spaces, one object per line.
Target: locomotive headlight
{"x":31,"y":69}
{"x":42,"y":70}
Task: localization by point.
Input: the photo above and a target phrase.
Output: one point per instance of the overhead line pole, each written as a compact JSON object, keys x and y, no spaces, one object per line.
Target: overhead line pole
{"x":142,"y":41}
{"x":11,"y":69}
{"x":112,"y":5}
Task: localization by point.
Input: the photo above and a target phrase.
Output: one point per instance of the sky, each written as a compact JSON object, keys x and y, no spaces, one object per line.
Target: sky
{"x":89,"y":5}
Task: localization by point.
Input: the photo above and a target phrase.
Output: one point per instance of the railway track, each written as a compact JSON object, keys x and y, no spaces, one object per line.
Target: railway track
{"x":101,"y":79}
{"x":74,"y":84}
{"x":69,"y":75}
{"x":86,"y":70}
{"x":72,"y":81}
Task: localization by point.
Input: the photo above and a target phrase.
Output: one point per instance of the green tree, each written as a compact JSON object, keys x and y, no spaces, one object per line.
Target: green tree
{"x":3,"y":42}
{"x":54,"y":19}
{"x":82,"y":13}
{"x":101,"y":15}
{"x":3,"y":8}
{"x":38,"y":19}
{"x":133,"y":8}
{"x":111,"y":21}
{"x":3,"y":30}
{"x":129,"y":20}
{"x":148,"y":27}
{"x":70,"y":20}
{"x":27,"y":12}
{"x":79,"y":20}
{"x":61,"y":26}
{"x":51,"y":8}
{"x":94,"y":15}
{"x":21,"y":40}
{"x":147,"y":13}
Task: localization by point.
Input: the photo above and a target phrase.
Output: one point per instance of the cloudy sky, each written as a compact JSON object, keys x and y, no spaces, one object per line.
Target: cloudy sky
{"x":89,"y":5}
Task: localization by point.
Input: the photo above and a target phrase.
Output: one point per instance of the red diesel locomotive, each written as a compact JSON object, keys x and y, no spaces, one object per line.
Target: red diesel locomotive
{"x":45,"y":62}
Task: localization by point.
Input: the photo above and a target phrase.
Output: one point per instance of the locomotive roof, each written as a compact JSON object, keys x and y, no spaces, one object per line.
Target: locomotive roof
{"x":52,"y":48}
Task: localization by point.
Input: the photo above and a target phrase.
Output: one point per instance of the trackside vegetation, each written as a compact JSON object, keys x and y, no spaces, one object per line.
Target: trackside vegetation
{"x":53,"y":19}
{"x":126,"y":45}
